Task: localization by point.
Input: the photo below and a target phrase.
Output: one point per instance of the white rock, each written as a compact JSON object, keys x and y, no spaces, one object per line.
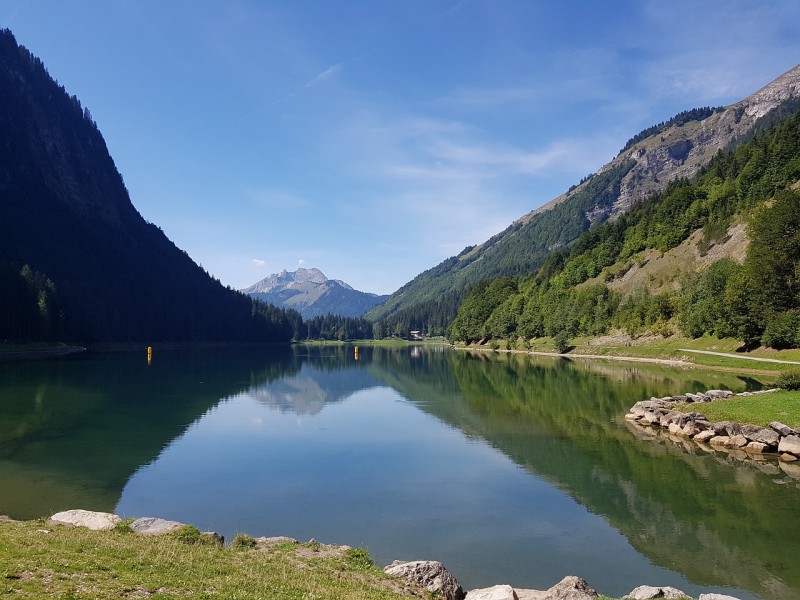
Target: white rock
{"x":648,"y":592}
{"x":571,"y":588}
{"x":497,"y":592}
{"x":427,"y":575}
{"x":717,"y":597}
{"x":96,"y":521}
{"x":154,"y":526}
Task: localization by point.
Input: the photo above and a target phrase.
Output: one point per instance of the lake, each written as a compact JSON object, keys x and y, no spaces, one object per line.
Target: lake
{"x":508,"y":469}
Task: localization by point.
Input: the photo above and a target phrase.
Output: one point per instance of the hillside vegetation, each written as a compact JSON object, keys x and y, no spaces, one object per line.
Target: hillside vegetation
{"x":757,"y":301}
{"x":675,"y":149}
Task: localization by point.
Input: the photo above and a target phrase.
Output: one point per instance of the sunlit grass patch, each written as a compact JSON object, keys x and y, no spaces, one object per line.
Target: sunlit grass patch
{"x":762,"y":409}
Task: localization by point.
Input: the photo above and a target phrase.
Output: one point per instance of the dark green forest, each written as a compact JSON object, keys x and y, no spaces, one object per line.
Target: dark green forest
{"x":77,"y":261}
{"x":757,"y":301}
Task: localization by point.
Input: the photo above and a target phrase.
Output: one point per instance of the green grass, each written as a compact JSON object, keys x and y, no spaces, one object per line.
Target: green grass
{"x":783,"y":406}
{"x":38,"y":560}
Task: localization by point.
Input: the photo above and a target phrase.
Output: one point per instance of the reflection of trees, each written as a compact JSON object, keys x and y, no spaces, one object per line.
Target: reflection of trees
{"x":717,"y":522}
{"x":72,"y":432}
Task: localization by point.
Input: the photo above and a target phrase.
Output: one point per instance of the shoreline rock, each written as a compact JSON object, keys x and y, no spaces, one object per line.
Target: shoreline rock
{"x":658,"y":417}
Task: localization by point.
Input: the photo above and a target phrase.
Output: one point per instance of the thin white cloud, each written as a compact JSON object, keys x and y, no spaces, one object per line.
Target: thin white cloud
{"x":321,"y":77}
{"x":328,"y":73}
{"x":258,"y":263}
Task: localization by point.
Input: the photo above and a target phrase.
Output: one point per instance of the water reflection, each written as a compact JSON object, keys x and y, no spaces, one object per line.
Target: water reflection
{"x":405,"y":451}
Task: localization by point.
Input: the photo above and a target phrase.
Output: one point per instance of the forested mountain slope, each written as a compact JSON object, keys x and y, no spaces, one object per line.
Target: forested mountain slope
{"x":676,"y":149}
{"x":77,"y":261}
{"x":753,"y":296}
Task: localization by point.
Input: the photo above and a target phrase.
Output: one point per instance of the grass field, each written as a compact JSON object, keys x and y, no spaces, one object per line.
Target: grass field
{"x":39,"y":560}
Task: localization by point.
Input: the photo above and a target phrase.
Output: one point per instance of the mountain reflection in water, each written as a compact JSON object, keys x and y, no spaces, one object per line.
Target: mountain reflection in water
{"x":506,"y":468}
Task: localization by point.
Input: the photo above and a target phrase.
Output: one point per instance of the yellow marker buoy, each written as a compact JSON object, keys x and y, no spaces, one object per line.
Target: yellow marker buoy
{"x":356,"y":352}
{"x":149,"y":354}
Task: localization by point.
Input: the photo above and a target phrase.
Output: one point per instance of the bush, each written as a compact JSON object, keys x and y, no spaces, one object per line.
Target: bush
{"x":358,"y":559}
{"x":782,"y":330}
{"x":561,"y":342}
{"x":243,"y":541}
{"x":789,"y":380}
{"x":188,"y":534}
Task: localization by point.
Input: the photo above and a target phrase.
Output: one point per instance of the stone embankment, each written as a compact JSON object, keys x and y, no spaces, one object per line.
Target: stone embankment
{"x":743,"y":440}
{"x":421,"y":578}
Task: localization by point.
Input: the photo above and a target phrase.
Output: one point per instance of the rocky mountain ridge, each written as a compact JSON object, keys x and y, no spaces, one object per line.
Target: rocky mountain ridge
{"x":674,"y":152}
{"x":312,"y":294}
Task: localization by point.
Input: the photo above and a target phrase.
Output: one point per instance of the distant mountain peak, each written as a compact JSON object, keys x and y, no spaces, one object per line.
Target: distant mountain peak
{"x":312,"y":294}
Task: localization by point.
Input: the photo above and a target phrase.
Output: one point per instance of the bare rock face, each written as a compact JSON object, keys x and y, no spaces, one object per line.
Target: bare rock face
{"x":96,"y":521}
{"x":680,"y":151}
{"x":648,"y":592}
{"x":427,"y":575}
{"x":571,"y":588}
{"x":497,"y":592}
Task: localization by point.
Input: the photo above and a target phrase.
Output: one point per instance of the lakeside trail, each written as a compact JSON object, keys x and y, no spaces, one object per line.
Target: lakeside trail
{"x":675,"y":362}
{"x":730,"y":355}
{"x":672,"y":362}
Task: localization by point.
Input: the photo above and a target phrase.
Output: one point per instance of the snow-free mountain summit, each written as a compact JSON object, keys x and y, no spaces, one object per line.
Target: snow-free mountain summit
{"x":312,"y":294}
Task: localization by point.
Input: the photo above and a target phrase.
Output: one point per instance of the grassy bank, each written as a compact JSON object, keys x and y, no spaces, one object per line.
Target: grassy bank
{"x":783,"y":406}
{"x":38,"y":560}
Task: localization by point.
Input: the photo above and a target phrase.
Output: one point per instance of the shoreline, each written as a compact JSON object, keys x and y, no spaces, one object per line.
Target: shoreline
{"x":670,"y":362}
{"x":400,"y":579}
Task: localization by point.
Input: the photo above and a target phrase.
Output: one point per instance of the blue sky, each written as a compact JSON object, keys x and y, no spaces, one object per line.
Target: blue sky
{"x":372,"y":139}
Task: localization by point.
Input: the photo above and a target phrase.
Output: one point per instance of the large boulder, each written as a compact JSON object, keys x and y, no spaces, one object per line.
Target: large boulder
{"x":648,"y":592}
{"x":427,"y":575}
{"x":497,"y":592}
{"x":96,"y":521}
{"x":754,"y":433}
{"x":780,"y":428}
{"x":154,"y":526}
{"x":571,"y":588}
{"x":790,"y":444}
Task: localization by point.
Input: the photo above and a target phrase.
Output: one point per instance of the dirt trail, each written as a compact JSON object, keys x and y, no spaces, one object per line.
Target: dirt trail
{"x":729,"y":355}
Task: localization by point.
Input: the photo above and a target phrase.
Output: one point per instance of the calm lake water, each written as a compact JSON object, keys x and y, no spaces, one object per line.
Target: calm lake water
{"x":508,"y":469}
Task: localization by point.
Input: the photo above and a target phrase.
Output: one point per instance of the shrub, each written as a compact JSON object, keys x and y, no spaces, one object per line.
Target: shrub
{"x":243,"y":541}
{"x":782,"y":330}
{"x":188,"y":534}
{"x":124,"y":526}
{"x":561,"y":342}
{"x":358,"y":559}
{"x":789,"y":380}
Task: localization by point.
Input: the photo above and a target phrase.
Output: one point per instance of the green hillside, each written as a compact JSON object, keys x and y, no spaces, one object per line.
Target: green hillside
{"x":429,"y":301}
{"x":757,"y":301}
{"x":675,"y":149}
